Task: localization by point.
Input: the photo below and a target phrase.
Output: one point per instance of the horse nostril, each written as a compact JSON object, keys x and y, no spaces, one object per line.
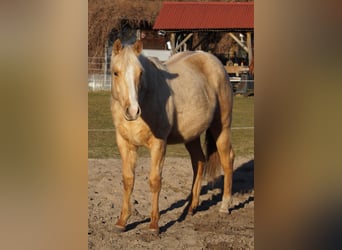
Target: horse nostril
{"x":132,"y":114}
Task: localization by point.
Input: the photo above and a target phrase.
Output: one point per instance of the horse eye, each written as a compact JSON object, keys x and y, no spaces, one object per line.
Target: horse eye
{"x":116,"y":73}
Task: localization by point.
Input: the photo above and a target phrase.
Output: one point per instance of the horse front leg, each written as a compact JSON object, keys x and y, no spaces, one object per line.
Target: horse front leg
{"x":128,"y":154}
{"x":158,"y":149}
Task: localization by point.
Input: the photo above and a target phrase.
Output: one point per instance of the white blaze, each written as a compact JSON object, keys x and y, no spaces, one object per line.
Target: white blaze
{"x":132,"y":95}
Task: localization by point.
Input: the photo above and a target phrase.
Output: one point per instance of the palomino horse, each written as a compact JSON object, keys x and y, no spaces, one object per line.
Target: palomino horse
{"x":156,"y":104}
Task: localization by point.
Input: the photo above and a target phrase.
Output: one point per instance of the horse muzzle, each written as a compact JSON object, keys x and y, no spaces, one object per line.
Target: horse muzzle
{"x":132,"y":113}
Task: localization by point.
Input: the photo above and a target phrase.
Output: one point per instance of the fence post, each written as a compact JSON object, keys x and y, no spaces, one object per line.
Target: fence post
{"x":105,"y":67}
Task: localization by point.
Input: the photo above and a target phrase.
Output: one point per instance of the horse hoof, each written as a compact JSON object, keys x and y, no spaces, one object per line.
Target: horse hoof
{"x":224,"y":210}
{"x":192,"y":211}
{"x":154,"y":231}
{"x":226,"y":203}
{"x":118,"y":229}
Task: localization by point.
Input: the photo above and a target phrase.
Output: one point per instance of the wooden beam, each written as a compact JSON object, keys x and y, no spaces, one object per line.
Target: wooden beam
{"x":201,"y":41}
{"x":236,"y":69}
{"x":238,"y":41}
{"x":184,"y":41}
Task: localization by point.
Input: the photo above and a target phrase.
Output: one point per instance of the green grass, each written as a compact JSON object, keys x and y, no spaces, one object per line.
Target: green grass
{"x":101,"y":144}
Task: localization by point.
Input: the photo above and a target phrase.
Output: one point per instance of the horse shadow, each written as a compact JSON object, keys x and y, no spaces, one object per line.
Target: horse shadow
{"x":243,"y":182}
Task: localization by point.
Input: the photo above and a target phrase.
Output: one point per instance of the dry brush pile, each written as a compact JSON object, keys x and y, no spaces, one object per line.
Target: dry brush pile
{"x":104,"y":16}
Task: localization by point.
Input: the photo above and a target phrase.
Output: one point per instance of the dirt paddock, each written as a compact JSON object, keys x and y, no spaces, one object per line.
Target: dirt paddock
{"x":206,"y":229}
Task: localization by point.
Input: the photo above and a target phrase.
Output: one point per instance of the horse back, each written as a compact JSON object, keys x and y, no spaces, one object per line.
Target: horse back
{"x":199,"y":62}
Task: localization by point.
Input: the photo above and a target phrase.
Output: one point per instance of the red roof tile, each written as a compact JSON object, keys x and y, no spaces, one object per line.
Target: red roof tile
{"x":205,"y":15}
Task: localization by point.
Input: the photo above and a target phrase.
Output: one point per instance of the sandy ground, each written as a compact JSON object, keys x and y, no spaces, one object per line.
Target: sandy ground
{"x":206,"y":229}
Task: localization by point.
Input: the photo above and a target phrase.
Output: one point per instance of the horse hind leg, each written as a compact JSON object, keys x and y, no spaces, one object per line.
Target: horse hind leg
{"x":220,"y":152}
{"x":197,"y":160}
{"x":226,"y":154}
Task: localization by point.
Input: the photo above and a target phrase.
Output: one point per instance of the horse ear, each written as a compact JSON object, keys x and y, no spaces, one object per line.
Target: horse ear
{"x":117,"y":47}
{"x":137,"y":47}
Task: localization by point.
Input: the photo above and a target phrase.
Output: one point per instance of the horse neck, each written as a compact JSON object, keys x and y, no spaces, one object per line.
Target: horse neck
{"x":152,"y":76}
{"x":155,"y":92}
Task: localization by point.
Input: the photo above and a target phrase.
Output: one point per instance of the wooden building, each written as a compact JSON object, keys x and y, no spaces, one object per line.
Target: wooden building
{"x":203,"y":25}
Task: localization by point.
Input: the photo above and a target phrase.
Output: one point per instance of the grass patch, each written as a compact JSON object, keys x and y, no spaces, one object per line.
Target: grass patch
{"x":99,"y":115}
{"x":102,"y":144}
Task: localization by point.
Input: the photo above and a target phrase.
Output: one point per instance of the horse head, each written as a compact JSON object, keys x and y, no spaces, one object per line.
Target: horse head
{"x":126,"y":77}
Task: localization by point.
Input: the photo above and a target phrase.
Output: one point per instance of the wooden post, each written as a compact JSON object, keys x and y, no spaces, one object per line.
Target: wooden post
{"x":173,"y":42}
{"x":138,"y":34}
{"x":249,"y":47}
